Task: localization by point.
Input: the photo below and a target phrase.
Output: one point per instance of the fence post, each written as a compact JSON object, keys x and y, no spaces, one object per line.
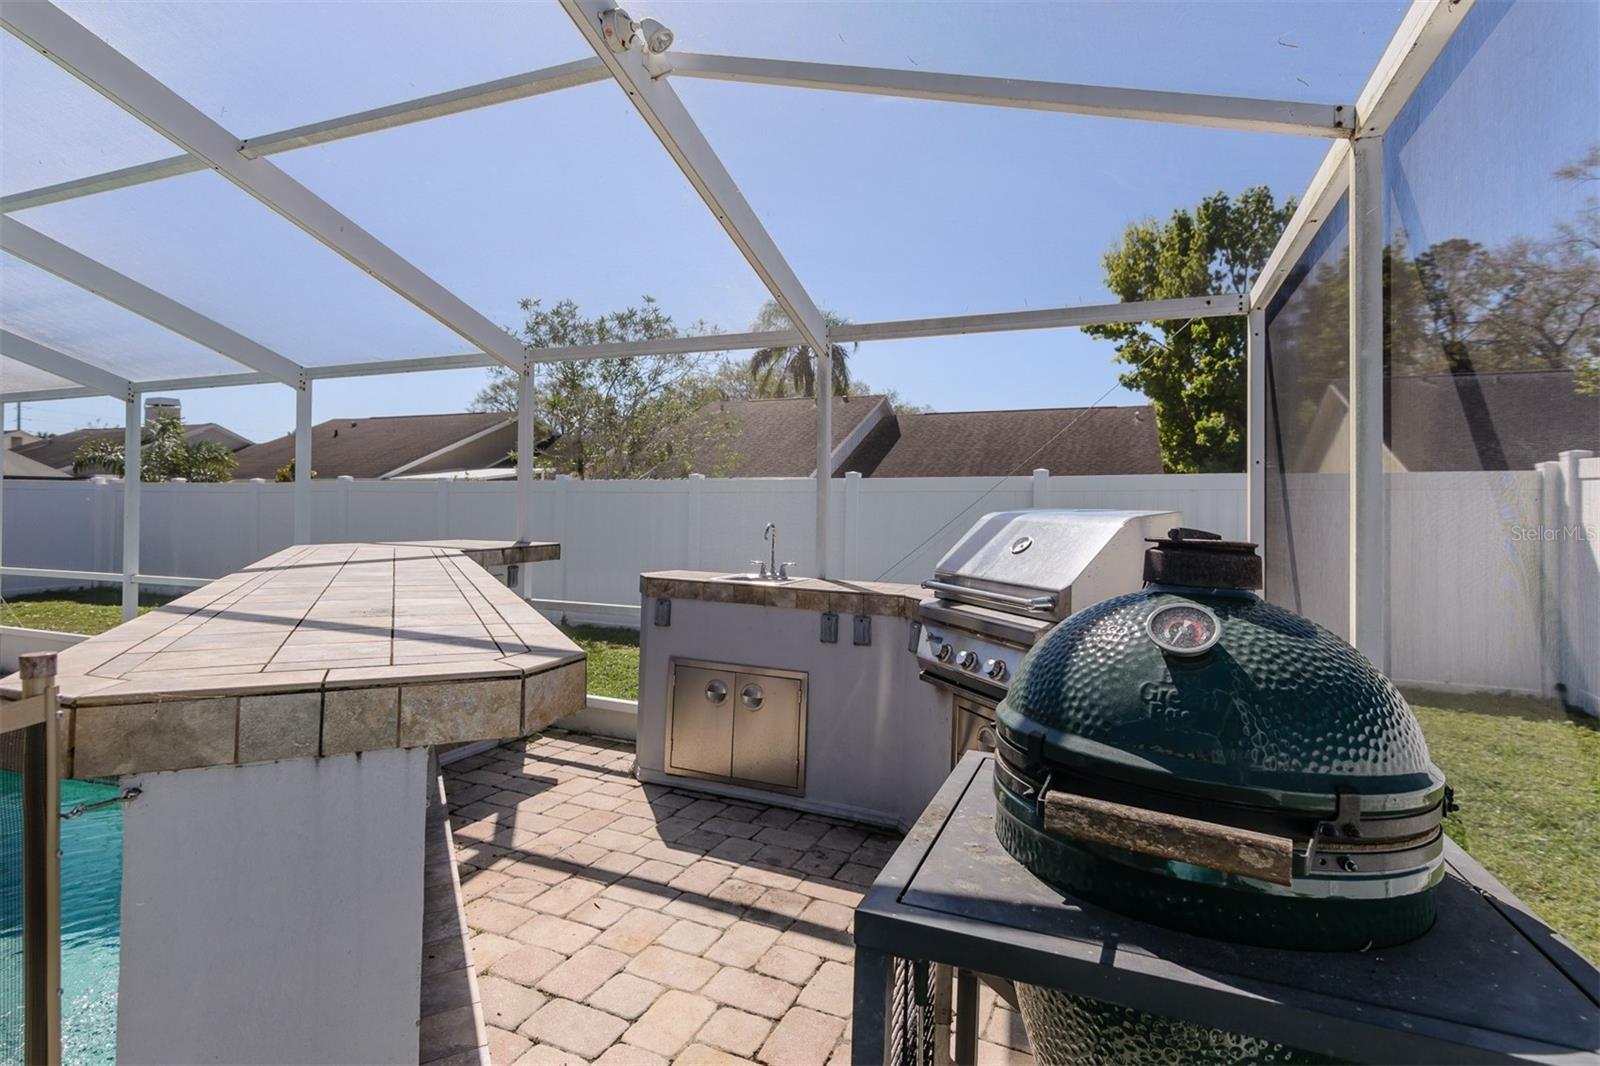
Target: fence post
{"x":345,"y":483}
{"x":1570,"y":542}
{"x":694,"y":522}
{"x":563,"y":501}
{"x":1041,"y":488}
{"x":851,"y":548}
{"x":1550,"y":505}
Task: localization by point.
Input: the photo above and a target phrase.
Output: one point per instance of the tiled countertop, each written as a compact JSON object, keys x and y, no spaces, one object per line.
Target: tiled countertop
{"x":492,"y":552}
{"x":320,"y":649}
{"x":885,"y":598}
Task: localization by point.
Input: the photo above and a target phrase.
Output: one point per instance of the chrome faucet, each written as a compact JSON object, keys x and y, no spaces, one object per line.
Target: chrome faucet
{"x":770,"y":535}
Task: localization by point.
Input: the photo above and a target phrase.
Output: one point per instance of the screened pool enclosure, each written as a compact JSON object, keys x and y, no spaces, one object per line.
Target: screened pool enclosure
{"x":1437,"y":281}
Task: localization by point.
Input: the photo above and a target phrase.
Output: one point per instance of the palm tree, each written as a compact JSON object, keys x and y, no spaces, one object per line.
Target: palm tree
{"x":791,"y":371}
{"x":165,"y":452}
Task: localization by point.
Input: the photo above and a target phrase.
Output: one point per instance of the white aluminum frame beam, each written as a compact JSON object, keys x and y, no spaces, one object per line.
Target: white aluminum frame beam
{"x":97,"y":381}
{"x":1327,"y":187}
{"x":61,"y":38}
{"x":1187,"y":109}
{"x":71,"y":266}
{"x":421,"y":109}
{"x":1217,"y":305}
{"x":662,"y":110}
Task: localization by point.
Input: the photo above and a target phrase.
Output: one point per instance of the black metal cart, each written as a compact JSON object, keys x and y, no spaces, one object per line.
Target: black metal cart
{"x":1490,"y":982}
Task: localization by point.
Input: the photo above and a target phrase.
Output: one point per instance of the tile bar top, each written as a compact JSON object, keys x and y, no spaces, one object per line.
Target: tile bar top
{"x":320,"y":649}
{"x":885,"y":598}
{"x":493,"y":552}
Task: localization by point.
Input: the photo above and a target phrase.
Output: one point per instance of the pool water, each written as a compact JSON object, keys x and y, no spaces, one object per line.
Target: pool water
{"x":91,"y":892}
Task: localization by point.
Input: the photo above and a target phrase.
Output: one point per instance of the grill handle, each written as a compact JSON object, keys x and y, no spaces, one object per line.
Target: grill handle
{"x":1168,"y":836}
{"x":993,"y":599}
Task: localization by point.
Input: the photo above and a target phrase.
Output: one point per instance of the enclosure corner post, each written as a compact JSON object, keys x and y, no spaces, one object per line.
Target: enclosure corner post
{"x":132,"y":475}
{"x":302,"y":462}
{"x":1255,"y":463}
{"x":824,"y":470}
{"x":525,"y":427}
{"x":1369,"y":608}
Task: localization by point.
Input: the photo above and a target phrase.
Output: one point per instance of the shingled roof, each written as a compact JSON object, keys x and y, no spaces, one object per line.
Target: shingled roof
{"x":777,"y":438}
{"x":57,"y":451}
{"x":375,"y":447}
{"x":1506,"y":420}
{"x":1063,"y":440}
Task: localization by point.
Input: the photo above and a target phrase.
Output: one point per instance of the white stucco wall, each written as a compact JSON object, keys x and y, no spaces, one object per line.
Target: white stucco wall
{"x":273,"y":913}
{"x":877,"y":738}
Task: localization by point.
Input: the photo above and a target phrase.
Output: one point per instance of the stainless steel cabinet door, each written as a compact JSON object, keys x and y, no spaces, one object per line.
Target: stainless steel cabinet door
{"x":766,"y":729}
{"x":703,"y":703}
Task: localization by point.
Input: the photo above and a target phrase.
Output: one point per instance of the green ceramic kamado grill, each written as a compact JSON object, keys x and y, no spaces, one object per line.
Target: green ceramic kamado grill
{"x":1198,"y":758}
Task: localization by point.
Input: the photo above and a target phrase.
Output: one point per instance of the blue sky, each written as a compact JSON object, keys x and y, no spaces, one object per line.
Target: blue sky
{"x":885,"y":208}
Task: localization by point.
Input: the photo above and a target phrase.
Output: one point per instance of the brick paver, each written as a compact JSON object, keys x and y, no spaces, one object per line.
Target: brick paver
{"x":615,"y":922}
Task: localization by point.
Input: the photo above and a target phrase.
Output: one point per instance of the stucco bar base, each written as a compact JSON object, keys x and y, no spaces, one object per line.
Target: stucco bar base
{"x":274,"y":912}
{"x":877,"y":740}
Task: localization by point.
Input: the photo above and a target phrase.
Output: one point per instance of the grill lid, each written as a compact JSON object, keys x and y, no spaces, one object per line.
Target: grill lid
{"x":1278,"y":711}
{"x":1197,"y":756}
{"x":1038,"y":563}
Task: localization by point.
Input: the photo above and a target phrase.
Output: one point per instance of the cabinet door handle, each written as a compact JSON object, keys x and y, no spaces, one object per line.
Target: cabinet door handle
{"x":716,"y":692}
{"x":752,"y":697}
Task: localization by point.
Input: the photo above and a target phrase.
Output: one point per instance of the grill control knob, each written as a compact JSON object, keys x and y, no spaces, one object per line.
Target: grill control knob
{"x":946,"y":652}
{"x":996,"y":669}
{"x":967,"y":660}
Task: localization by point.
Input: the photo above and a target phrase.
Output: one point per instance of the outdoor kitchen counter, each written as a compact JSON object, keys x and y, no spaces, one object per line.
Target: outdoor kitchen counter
{"x":487,"y":553}
{"x":321,"y":649}
{"x":885,"y":598}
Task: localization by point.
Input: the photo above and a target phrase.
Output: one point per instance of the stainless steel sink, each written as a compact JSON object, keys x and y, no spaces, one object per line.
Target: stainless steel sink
{"x":759,"y":579}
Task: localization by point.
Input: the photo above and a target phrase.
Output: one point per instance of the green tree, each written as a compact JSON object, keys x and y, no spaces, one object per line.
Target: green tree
{"x":1193,"y":372}
{"x":792,"y":370}
{"x":635,"y":417}
{"x":165,"y":453}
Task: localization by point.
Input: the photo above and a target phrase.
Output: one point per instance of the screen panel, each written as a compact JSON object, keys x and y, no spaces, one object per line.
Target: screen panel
{"x":1307,"y":546}
{"x":199,"y":240}
{"x":1492,"y":172}
{"x":1304,"y":51}
{"x":54,"y":128}
{"x":272,"y":64}
{"x":52,"y":312}
{"x":564,"y":196}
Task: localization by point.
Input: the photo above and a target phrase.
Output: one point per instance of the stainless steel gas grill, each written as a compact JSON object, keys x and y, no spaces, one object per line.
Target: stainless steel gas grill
{"x":1012,"y":577}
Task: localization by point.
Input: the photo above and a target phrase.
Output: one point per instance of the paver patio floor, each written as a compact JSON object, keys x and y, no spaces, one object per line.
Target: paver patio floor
{"x":617,"y":922}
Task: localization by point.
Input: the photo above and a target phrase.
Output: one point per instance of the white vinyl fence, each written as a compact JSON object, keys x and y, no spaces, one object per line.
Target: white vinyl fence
{"x":1482,"y":596}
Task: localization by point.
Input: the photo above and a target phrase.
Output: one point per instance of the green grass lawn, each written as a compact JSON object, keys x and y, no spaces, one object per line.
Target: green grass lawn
{"x":613,"y":659}
{"x":87,"y":611}
{"x":1527,"y":777}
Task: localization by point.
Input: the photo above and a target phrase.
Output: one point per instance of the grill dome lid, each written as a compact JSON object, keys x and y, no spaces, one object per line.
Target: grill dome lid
{"x":1278,"y":710}
{"x":1235,"y":723}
